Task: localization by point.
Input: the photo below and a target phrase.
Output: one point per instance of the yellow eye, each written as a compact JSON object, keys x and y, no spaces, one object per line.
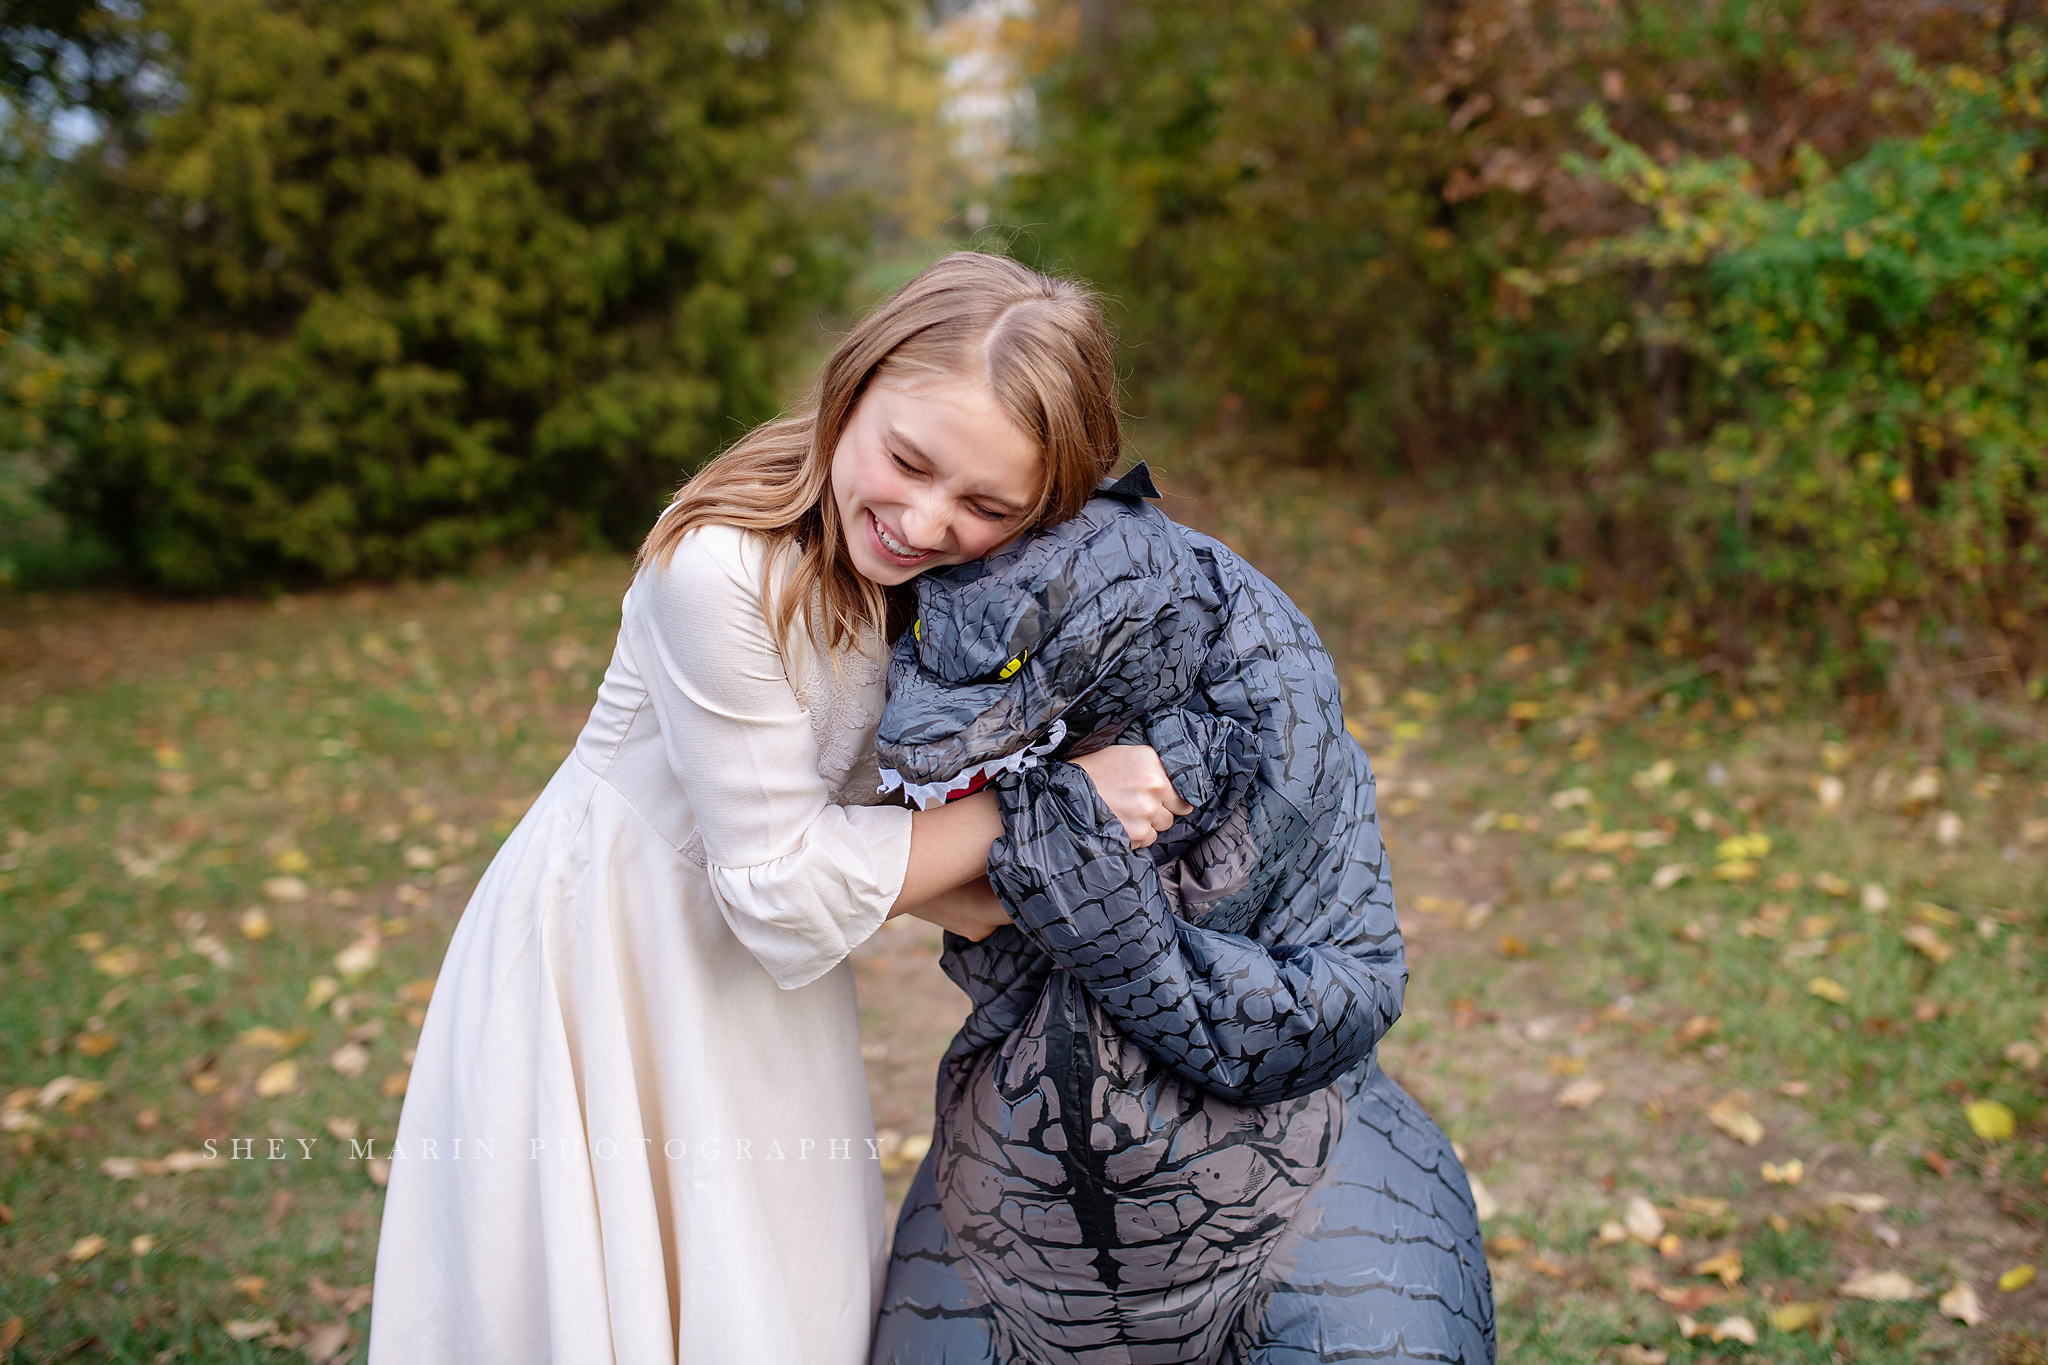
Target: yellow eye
{"x":1009,"y":670}
{"x":917,"y":629}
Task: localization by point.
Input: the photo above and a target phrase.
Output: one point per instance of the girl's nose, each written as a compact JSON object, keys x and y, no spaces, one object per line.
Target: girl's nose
{"x":922,"y":526}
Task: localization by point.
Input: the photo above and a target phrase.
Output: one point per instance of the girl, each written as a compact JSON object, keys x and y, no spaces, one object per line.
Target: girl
{"x":637,"y":1128}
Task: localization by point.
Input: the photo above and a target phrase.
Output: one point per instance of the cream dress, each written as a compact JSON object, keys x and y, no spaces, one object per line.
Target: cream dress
{"x":637,"y":1128}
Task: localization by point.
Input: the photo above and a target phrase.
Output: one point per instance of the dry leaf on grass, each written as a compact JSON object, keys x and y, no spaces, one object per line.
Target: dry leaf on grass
{"x":326,"y":1341}
{"x":347,"y":1300}
{"x":11,"y":1333}
{"x":2019,"y":1277}
{"x":1878,"y":1286}
{"x":379,"y":1170}
{"x":1580,"y":1094}
{"x":1731,"y":1115}
{"x":142,"y":1245}
{"x":1928,"y":943}
{"x":1734,"y":1329}
{"x":1794,"y":1317}
{"x":1962,"y":1304}
{"x":1643,"y":1221}
{"x":1989,"y":1120}
{"x":277,"y":1079}
{"x":242,"y":1329}
{"x":1829,"y":989}
{"x":1726,"y":1266}
{"x":85,"y":1248}
{"x":1858,"y":1203}
{"x":350,"y":1059}
{"x":1635,"y":1353}
{"x":1790,"y":1173}
{"x":254,"y":922}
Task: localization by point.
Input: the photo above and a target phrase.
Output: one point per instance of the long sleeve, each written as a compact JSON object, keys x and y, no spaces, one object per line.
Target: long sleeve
{"x":799,"y":879}
{"x":1254,"y":1020}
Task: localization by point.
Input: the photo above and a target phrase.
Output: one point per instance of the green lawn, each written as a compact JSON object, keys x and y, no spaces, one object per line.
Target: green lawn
{"x":239,"y":834}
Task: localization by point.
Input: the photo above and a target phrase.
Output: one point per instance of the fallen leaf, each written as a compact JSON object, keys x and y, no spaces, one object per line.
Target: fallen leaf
{"x":1741,"y":870}
{"x":1670,"y":1247}
{"x":1962,"y":1304}
{"x":285,"y":889}
{"x":379,"y":1170}
{"x":1927,"y":912}
{"x":1794,"y":1317}
{"x":1707,"y":1204}
{"x":1510,"y":946}
{"x":1878,"y":1286}
{"x":254,"y":923}
{"x":291,"y":860}
{"x":1948,"y":829}
{"x":1735,"y":1329}
{"x":1829,"y":989}
{"x":1725,"y":1266}
{"x":394,"y":1084}
{"x":421,"y":991}
{"x":1670,"y":875}
{"x":357,"y":959}
{"x":243,"y":1330}
{"x":1698,"y":1027}
{"x":347,"y":1300}
{"x":1791,"y":1173}
{"x":272,"y":1039}
{"x":277,"y":1079}
{"x":251,"y":1285}
{"x":1580,"y":1094}
{"x":1936,"y":1162}
{"x":1692,"y":1298}
{"x":1570,"y":797}
{"x":1830,"y":791}
{"x":2019,"y":1277}
{"x":1505,"y":1245}
{"x":97,"y":1043}
{"x":1688,"y":1328}
{"x":350,"y":1059}
{"x":2023,"y":1054}
{"x":1931,"y":945}
{"x":1635,"y":1353}
{"x":1643,"y":1221}
{"x":1610,"y":1234}
{"x":119,"y":962}
{"x":1543,"y":1265}
{"x":1858,"y":1203}
{"x":321,"y":990}
{"x":1731,"y":1115}
{"x":326,"y":1341}
{"x":1875,"y":899}
{"x":1828,"y":884}
{"x":1742,"y":848}
{"x":1989,"y":1120}
{"x":11,"y":1333}
{"x":91,"y":1245}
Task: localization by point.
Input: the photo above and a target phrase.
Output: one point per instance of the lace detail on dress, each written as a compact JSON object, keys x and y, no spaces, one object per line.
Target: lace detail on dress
{"x":844,"y":706}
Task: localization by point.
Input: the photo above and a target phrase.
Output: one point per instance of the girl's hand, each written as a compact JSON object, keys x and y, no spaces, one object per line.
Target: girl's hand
{"x":1133,"y":783}
{"x":970,"y":910}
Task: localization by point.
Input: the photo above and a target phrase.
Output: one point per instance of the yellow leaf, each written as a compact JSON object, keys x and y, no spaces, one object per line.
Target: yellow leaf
{"x":1731,"y":1115}
{"x":97,"y":1044}
{"x":1827,"y":988}
{"x":2019,"y":1277}
{"x":275,"y":1040}
{"x":1879,"y":1286}
{"x":11,"y":1333}
{"x":118,"y":962}
{"x":1930,"y":944}
{"x":1741,"y":870}
{"x":1794,"y":1317}
{"x":255,"y":923}
{"x":85,"y":1248}
{"x":1708,"y":1204}
{"x":1791,"y":1173}
{"x":142,"y":1245}
{"x":394,"y":1084}
{"x":243,"y":1330}
{"x":91,"y":941}
{"x":1581,"y":1094}
{"x":1743,"y":848}
{"x":291,"y":861}
{"x":357,"y":959}
{"x":1725,"y":1266}
{"x":277,"y":1079}
{"x":285,"y":888}
{"x":321,"y":990}
{"x":251,"y":1285}
{"x":1989,"y":1120}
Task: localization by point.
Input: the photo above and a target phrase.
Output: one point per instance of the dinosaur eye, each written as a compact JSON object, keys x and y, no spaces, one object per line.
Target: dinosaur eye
{"x":1009,"y":670}
{"x":917,"y":630}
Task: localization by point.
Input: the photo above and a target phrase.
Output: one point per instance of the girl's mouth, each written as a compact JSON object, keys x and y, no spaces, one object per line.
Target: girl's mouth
{"x":893,"y":550}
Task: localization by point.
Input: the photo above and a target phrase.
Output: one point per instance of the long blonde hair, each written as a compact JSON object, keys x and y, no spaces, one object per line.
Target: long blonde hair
{"x":1039,"y":343}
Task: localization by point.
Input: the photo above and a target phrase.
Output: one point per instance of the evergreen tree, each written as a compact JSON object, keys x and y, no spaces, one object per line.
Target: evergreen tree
{"x":419,"y":276}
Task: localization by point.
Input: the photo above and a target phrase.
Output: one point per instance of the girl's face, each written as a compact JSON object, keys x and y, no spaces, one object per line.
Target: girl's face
{"x":929,"y":474}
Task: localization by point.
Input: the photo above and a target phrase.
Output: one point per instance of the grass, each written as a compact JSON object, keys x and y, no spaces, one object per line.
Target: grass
{"x":345,"y":764}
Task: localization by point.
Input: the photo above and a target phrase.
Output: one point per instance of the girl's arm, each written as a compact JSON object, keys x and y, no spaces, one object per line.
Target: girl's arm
{"x":946,"y":881}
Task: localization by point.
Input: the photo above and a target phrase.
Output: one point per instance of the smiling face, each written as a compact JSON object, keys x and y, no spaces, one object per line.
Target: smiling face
{"x":931,"y":473}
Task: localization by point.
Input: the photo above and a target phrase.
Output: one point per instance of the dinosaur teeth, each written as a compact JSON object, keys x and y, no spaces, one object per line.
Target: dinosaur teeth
{"x":929,"y":794}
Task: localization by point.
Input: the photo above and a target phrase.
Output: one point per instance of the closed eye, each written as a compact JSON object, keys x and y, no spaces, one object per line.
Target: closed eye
{"x":985,"y":513}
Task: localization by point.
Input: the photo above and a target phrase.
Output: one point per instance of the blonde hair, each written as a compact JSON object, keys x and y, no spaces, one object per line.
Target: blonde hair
{"x":1039,"y":343}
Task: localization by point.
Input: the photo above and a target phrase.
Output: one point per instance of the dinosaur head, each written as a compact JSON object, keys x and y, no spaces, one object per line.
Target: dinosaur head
{"x":1060,"y":639}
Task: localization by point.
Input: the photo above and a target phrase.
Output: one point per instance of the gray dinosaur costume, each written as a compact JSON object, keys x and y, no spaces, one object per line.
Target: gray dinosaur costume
{"x":1161,"y":1134}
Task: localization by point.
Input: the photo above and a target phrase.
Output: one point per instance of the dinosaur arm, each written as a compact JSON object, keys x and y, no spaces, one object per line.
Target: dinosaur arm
{"x":1255,"y":1021}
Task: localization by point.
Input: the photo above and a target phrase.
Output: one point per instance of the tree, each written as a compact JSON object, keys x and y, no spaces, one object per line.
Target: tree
{"x":418,"y":276}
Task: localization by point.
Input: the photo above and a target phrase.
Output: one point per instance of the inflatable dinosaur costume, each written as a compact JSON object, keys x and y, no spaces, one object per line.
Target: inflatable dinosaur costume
{"x":1161,"y":1134}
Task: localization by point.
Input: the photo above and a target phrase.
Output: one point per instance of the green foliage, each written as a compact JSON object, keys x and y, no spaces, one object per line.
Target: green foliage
{"x":420,"y":277}
{"x":1875,"y":343}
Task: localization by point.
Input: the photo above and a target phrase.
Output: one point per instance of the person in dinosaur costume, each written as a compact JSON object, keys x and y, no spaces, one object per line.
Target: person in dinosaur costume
{"x":1161,"y":1134}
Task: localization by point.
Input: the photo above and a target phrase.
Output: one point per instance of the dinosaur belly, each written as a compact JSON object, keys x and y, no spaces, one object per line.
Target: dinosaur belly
{"x":1109,"y":1210}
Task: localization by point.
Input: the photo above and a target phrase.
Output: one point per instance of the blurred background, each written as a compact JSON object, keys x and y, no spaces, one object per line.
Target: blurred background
{"x":1648,"y":399}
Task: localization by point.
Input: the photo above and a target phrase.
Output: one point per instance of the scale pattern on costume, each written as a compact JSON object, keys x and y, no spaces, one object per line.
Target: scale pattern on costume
{"x":1161,"y":1134}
